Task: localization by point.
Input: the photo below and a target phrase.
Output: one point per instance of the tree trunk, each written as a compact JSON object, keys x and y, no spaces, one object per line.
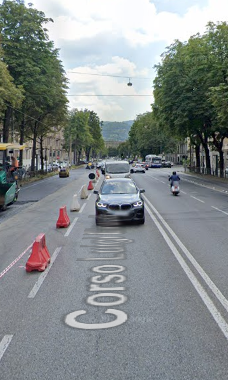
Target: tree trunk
{"x":34,"y":149}
{"x":41,"y":153}
{"x":22,"y":132}
{"x":203,"y":140}
{"x":197,"y":152}
{"x":221,"y":163}
{"x":88,"y":153}
{"x":79,"y":155}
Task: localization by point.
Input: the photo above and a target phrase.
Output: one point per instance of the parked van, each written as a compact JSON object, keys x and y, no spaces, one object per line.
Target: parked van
{"x":115,"y":169}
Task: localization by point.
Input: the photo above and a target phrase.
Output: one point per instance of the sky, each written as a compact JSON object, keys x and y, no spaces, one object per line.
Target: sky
{"x":105,"y":44}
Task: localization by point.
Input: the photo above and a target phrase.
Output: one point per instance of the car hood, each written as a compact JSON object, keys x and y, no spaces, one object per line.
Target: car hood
{"x":119,"y":198}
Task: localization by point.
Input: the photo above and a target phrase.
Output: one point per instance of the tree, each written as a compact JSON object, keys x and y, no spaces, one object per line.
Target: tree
{"x":34,"y":64}
{"x":10,"y":95}
{"x":77,"y":133}
{"x":185,"y":95}
{"x":97,"y":142}
{"x":148,"y":136}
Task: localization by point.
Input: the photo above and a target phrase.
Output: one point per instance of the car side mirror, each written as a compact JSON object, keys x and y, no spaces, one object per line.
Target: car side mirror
{"x":142,"y":190}
{"x":95,"y":191}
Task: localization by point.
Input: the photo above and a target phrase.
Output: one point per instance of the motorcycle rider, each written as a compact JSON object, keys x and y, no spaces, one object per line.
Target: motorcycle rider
{"x":174,"y":178}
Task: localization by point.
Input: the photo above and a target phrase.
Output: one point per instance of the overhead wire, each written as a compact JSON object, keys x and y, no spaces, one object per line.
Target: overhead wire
{"x":108,"y":75}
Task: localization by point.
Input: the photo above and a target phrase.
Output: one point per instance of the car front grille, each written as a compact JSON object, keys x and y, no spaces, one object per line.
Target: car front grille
{"x":126,"y":206}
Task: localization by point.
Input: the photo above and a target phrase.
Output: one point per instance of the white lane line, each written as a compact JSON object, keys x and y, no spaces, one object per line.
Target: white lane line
{"x":43,"y":275}
{"x":82,"y":208}
{"x":159,"y":180}
{"x":197,"y":199}
{"x":183,"y":192}
{"x":198,"y":287}
{"x":71,"y":227}
{"x":4,"y":344}
{"x":14,"y":262}
{"x":199,"y":269}
{"x":226,"y":213}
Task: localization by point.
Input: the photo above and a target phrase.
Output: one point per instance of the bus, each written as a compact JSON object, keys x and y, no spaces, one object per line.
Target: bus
{"x":153,"y":161}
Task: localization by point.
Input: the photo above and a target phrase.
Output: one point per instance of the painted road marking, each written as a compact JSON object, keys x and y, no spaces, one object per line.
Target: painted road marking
{"x":71,"y":227}
{"x":14,"y":262}
{"x":198,"y":287}
{"x":226,"y":213}
{"x":82,"y":208}
{"x":43,"y":275}
{"x":199,"y":269}
{"x":197,"y":199}
{"x":4,"y":344}
{"x":200,"y":290}
{"x":71,"y":321}
{"x":107,"y":274}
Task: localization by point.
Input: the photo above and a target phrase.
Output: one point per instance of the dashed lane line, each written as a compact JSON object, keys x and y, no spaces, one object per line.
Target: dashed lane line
{"x":4,"y":344}
{"x":71,"y":227}
{"x":226,"y":213}
{"x":44,"y":274}
{"x":197,"y":199}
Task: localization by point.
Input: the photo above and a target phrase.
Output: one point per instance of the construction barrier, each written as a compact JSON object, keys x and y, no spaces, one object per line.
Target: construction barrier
{"x":84,"y":192}
{"x":75,"y":206}
{"x":90,"y":185}
{"x":40,"y":257}
{"x":64,"y":219}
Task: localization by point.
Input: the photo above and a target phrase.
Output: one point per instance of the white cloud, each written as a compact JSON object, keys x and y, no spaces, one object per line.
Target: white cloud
{"x":139,"y":26}
{"x":97,"y":90}
{"x":137,"y":22}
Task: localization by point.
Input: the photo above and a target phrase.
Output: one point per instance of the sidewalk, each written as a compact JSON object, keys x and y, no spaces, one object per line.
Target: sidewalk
{"x":209,"y":181}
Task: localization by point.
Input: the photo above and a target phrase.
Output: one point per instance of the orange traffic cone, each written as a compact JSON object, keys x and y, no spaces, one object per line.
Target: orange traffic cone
{"x":64,"y":219}
{"x":40,"y":257}
{"x":90,"y":186}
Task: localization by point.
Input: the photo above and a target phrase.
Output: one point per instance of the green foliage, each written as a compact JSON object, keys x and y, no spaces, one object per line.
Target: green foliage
{"x":34,"y":65}
{"x":9,"y":93}
{"x":190,"y":88}
{"x":97,"y":142}
{"x":83,"y":132}
{"x":147,"y":136}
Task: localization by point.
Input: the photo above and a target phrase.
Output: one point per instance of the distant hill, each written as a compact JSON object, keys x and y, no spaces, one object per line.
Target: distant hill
{"x":115,"y":130}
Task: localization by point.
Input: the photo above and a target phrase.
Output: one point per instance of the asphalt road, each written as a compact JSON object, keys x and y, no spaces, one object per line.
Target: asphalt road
{"x":127,"y":302}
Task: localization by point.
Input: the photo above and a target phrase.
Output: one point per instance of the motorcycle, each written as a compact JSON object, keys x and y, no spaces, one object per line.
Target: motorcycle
{"x":175,"y":188}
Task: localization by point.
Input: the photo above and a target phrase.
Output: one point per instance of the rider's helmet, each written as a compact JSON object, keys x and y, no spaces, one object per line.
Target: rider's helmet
{"x":174,"y":173}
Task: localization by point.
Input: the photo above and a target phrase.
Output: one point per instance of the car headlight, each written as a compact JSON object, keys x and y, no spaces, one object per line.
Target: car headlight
{"x":138,"y":204}
{"x":101,"y":205}
{"x":107,"y":177}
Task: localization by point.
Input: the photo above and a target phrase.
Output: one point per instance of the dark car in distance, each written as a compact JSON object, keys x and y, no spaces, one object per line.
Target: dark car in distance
{"x":119,"y":200}
{"x":166,"y":164}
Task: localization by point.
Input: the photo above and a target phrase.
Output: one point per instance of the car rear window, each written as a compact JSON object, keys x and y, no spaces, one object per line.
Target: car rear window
{"x":117,"y":168}
{"x":118,"y":188}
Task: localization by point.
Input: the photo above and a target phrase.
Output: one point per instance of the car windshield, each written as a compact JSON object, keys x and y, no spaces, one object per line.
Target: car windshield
{"x":117,"y":168}
{"x":119,"y":188}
